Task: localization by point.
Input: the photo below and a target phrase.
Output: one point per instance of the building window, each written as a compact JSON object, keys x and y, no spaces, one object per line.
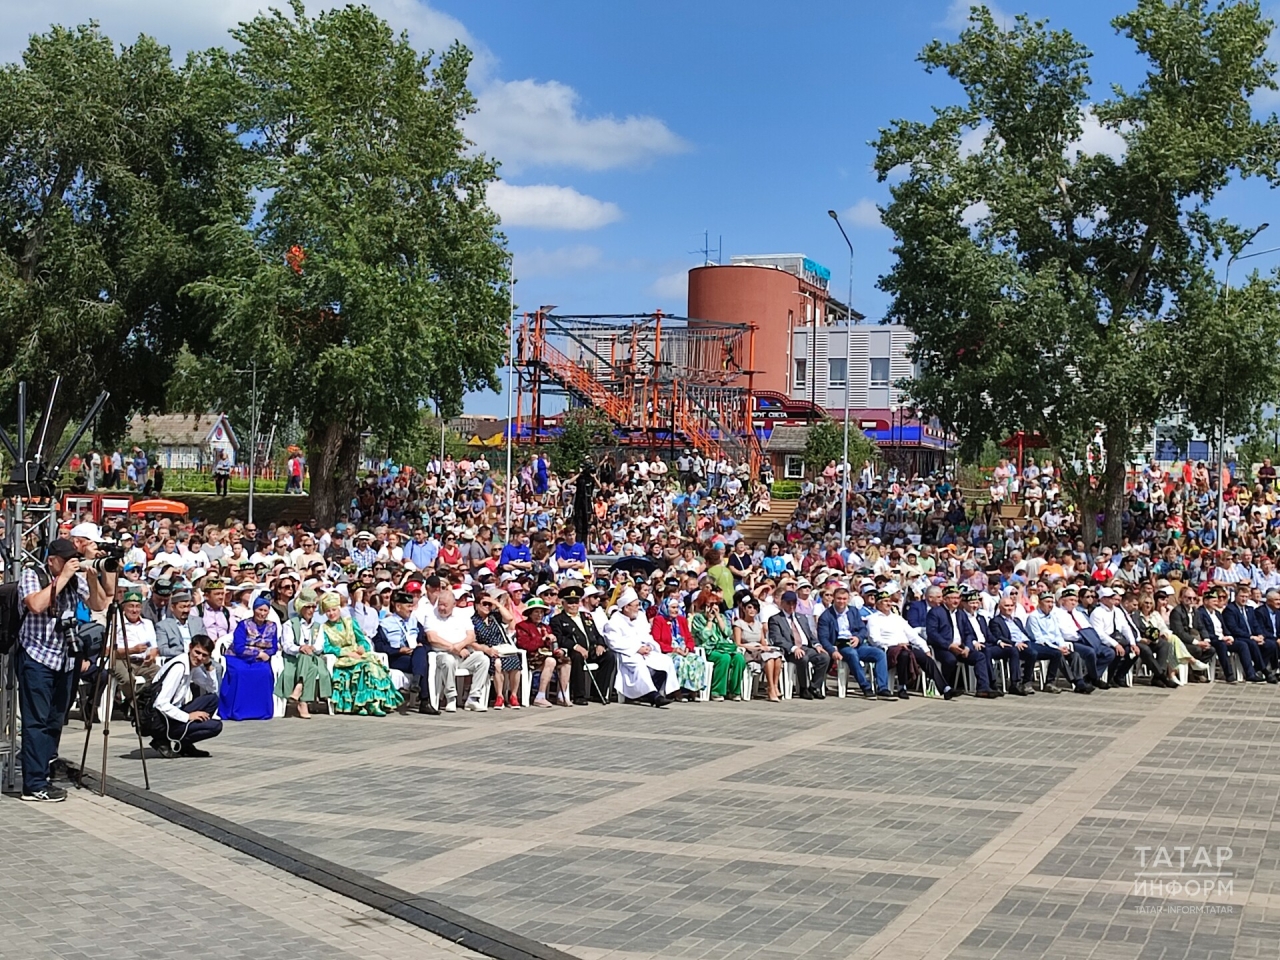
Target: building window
{"x":837,"y":368}
{"x":802,"y":367}
{"x":793,"y":467}
{"x":879,"y":372}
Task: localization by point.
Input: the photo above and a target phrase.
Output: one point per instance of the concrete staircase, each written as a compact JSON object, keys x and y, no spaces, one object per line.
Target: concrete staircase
{"x":756,"y":527}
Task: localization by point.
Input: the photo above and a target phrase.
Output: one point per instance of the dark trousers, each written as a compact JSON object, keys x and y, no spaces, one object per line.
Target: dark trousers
{"x":1269,"y":653}
{"x":414,"y":663}
{"x":580,"y":684}
{"x":1050,"y":655}
{"x":1153,"y":657}
{"x":1223,"y":652}
{"x":980,"y":660}
{"x":1121,"y":666}
{"x":194,"y":731}
{"x":927,"y":664}
{"x":220,"y":483}
{"x":1020,"y":663}
{"x":44,"y":696}
{"x":1103,"y":656}
{"x":1251,"y":657}
{"x":1088,"y":661}
{"x":811,"y":671}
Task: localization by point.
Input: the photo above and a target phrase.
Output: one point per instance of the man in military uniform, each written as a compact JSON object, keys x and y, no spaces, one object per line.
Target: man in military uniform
{"x":576,"y":634}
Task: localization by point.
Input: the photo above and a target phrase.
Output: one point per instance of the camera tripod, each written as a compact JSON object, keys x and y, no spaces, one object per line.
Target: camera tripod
{"x":106,"y":680}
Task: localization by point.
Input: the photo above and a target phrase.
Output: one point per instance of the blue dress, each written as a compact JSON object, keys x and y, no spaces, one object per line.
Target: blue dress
{"x":540,"y":479}
{"x":247,"y":691}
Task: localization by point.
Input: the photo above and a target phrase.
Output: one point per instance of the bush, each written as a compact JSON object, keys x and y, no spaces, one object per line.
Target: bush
{"x":785,"y":490}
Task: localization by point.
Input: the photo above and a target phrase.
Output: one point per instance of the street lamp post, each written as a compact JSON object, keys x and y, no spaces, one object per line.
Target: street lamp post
{"x":1222,"y":420}
{"x":848,"y":379}
{"x":511,"y":369}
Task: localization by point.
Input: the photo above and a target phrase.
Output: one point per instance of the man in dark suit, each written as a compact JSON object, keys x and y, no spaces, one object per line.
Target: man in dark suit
{"x":949,"y":635}
{"x":982,"y":652}
{"x":1182,"y":621}
{"x":1237,"y":622}
{"x":792,"y":634}
{"x":576,"y":633}
{"x":1265,"y":621}
{"x":1208,"y":623}
{"x":1006,"y":630}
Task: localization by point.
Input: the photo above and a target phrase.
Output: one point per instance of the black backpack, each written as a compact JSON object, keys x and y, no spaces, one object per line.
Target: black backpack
{"x":13,"y":612}
{"x":148,"y":719}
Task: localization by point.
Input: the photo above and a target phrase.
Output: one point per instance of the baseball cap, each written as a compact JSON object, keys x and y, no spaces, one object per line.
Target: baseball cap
{"x":63,"y":548}
{"x":86,"y":531}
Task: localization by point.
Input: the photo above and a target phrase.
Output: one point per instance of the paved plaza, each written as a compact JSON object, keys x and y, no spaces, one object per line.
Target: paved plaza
{"x":827,"y":830}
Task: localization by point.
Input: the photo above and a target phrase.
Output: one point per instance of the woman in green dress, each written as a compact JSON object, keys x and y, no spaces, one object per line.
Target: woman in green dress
{"x":711,"y":631}
{"x":361,"y":684}
{"x":305,"y":678}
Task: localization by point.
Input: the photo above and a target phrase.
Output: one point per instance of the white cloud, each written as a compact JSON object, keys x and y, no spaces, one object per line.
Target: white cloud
{"x":957,"y":15}
{"x":971,"y":141}
{"x":557,"y":262}
{"x":671,"y":286}
{"x":974,"y":213}
{"x":527,"y":123}
{"x":1267,"y":100}
{"x":195,"y":26}
{"x":550,"y":207}
{"x":1095,"y":138}
{"x":864,"y":213}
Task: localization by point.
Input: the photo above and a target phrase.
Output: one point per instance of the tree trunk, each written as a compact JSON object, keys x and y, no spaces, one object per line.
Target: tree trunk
{"x":1117,"y":447}
{"x":333,"y":450}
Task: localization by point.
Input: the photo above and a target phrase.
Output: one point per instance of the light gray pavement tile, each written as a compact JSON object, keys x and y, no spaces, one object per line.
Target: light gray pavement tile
{"x":92,"y":878}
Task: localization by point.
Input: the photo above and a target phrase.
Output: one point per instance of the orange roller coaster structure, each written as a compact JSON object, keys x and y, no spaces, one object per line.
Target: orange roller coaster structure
{"x":662,"y":380}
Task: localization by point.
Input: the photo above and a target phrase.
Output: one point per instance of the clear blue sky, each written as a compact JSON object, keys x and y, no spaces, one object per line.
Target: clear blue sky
{"x":627,"y":128}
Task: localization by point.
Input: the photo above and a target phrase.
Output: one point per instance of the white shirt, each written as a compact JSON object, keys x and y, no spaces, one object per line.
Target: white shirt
{"x":144,"y":631}
{"x":887,"y":630}
{"x":455,"y":628}
{"x":175,"y":686}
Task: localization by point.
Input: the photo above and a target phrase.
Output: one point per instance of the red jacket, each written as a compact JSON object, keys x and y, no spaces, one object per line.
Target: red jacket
{"x":660,"y":630}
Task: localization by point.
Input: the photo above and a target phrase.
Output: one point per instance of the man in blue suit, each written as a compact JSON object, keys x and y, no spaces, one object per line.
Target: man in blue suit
{"x":1006,"y":631}
{"x":1265,"y":620}
{"x":1236,"y":620}
{"x":843,"y":632}
{"x":951,"y":637}
{"x":918,"y":610}
{"x":1209,"y":624}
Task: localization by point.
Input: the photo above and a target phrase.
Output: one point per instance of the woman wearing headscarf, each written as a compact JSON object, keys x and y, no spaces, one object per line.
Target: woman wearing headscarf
{"x":305,"y":678}
{"x":361,"y":684}
{"x":644,"y":672}
{"x":246,"y":690}
{"x":670,"y":630}
{"x":711,"y":631}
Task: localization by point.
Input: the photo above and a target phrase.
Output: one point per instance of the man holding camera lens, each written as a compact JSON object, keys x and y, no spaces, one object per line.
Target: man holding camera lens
{"x":47,"y":657}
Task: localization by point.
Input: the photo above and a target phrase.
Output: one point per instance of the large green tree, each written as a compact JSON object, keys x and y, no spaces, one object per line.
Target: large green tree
{"x":115,"y":165}
{"x":374,"y":278}
{"x":1051,"y":288}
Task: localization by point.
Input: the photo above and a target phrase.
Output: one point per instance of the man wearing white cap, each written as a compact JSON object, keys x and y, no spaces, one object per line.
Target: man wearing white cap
{"x":452,"y":638}
{"x":644,"y":672}
{"x":1110,"y":623}
{"x":86,"y":537}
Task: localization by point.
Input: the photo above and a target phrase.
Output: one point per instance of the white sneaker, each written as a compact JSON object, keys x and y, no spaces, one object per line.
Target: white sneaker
{"x":451,"y":706}
{"x":475,"y":705}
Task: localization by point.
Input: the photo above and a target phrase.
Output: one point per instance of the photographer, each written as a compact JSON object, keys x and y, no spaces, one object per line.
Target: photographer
{"x":100,"y":567}
{"x":46,"y":659}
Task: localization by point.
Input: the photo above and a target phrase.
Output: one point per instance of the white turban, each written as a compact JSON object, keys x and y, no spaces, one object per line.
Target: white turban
{"x":628,"y":596}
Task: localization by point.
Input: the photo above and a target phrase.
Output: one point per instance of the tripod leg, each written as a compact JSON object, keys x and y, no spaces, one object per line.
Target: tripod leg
{"x":90,"y":711}
{"x":133,"y":700}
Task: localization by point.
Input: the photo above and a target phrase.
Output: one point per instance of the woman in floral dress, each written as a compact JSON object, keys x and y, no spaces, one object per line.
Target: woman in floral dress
{"x":361,"y":684}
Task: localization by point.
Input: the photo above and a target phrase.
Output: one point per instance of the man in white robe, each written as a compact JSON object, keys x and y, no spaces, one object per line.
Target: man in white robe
{"x":642,"y":666}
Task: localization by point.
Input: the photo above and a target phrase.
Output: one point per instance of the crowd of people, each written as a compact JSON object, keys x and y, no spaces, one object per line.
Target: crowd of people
{"x":421,"y":599}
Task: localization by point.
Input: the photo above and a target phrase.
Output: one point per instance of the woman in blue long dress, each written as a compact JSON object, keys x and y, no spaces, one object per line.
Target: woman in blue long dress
{"x":247,"y":689}
{"x":540,"y":479}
